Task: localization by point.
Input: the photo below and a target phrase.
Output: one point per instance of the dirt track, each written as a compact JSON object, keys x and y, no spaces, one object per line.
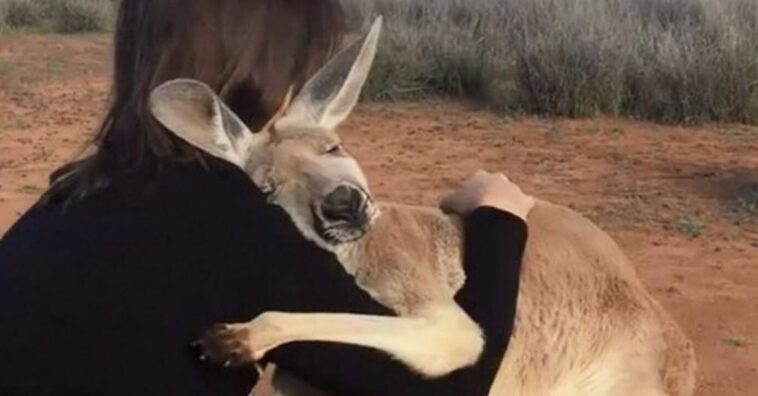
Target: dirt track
{"x":654,"y":188}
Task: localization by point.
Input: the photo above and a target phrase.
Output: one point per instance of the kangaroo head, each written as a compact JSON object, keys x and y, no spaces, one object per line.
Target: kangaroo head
{"x":298,"y":158}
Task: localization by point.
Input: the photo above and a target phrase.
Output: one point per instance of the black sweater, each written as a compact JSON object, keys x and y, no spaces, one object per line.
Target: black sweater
{"x":105,"y":298}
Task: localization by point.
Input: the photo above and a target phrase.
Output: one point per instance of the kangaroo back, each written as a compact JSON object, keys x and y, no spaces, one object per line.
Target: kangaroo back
{"x":585,"y":324}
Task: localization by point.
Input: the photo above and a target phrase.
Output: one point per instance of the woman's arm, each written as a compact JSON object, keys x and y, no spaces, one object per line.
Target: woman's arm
{"x":494,"y":243}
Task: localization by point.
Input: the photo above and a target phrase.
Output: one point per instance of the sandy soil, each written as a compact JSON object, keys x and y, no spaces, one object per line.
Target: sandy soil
{"x":669,"y":195}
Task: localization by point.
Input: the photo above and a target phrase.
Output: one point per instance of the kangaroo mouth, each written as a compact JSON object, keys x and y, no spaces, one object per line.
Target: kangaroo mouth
{"x":338,"y":234}
{"x":338,"y":230}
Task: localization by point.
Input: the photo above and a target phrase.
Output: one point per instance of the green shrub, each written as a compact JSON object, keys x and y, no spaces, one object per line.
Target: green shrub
{"x":21,"y":13}
{"x":75,"y":16}
{"x":746,"y":204}
{"x":61,"y":16}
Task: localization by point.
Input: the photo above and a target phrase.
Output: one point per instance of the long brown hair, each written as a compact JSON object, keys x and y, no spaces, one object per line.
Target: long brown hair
{"x":249,"y":51}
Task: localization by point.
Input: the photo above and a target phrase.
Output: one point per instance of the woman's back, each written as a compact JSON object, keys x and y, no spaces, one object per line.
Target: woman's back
{"x":133,"y":277}
{"x":152,"y":247}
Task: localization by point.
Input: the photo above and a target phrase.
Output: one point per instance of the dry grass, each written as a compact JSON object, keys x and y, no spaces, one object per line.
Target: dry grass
{"x":666,"y":60}
{"x":60,"y":16}
{"x":663,"y":60}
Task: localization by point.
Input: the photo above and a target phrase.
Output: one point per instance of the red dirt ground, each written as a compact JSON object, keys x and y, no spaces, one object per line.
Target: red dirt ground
{"x":652,"y":187}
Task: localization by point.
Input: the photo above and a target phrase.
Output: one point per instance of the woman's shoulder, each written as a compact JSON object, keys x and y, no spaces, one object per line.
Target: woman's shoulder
{"x":178,"y":200}
{"x":199,"y":187}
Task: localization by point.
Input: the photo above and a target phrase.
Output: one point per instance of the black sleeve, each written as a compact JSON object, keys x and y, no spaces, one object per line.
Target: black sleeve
{"x":494,"y":245}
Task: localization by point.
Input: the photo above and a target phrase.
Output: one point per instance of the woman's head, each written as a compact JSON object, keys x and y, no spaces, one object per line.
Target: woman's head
{"x":249,"y":51}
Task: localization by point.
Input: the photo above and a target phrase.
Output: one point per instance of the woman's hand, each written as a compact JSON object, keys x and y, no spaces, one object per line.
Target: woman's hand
{"x":488,"y":189}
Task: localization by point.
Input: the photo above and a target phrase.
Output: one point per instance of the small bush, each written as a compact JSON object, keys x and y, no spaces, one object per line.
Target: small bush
{"x":21,"y":13}
{"x":75,"y":16}
{"x":691,"y":227}
{"x":60,"y":16}
{"x":746,"y":204}
{"x":3,"y":17}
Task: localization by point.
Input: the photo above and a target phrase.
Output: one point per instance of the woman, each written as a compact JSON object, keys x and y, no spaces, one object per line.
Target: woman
{"x":137,"y":249}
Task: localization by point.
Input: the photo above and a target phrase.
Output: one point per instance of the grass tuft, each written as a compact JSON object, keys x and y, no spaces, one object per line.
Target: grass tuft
{"x":736,"y":342}
{"x":691,"y":227}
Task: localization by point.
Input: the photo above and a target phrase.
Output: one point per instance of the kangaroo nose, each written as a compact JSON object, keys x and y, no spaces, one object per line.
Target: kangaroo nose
{"x":346,"y":204}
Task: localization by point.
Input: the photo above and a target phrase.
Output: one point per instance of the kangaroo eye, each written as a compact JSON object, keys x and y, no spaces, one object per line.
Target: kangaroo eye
{"x":337,"y":148}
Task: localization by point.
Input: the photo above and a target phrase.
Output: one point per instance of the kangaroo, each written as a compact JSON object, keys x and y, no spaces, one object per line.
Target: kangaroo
{"x":585,"y":323}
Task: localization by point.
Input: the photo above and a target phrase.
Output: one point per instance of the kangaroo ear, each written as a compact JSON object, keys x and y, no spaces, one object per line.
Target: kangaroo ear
{"x":329,"y":97}
{"x":193,"y":112}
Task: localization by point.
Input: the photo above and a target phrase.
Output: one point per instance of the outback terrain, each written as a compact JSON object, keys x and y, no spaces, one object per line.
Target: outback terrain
{"x":682,"y":201}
